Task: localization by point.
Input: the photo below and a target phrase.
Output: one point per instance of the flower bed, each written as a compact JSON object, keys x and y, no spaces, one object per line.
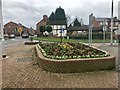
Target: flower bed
{"x":62,"y":51}
{"x":76,"y":64}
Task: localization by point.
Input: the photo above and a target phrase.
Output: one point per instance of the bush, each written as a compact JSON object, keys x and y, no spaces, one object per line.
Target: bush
{"x":94,"y":36}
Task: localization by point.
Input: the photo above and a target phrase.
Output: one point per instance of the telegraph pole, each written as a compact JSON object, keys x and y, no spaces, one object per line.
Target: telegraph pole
{"x":1,"y":29}
{"x":112,"y":24}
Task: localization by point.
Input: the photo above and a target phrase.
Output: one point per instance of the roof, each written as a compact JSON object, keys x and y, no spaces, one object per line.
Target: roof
{"x":11,"y":22}
{"x":78,"y":28}
{"x":57,"y":22}
{"x":16,"y":24}
{"x":108,"y":19}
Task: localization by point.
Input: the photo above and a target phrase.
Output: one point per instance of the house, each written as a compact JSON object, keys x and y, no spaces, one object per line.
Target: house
{"x":78,"y":29}
{"x":12,"y":28}
{"x":59,"y":28}
{"x":58,"y":22}
{"x":43,"y":22}
{"x":98,"y":23}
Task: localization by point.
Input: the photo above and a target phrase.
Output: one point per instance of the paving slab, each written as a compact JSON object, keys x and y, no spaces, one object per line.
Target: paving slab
{"x":27,"y":74}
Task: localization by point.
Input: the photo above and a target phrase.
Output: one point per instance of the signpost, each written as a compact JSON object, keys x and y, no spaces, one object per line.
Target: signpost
{"x":20,"y":31}
{"x":61,"y":32}
{"x":90,"y":28}
{"x":104,"y":30}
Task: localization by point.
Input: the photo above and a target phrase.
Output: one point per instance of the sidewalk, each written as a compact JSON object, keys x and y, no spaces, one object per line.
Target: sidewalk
{"x":20,"y":71}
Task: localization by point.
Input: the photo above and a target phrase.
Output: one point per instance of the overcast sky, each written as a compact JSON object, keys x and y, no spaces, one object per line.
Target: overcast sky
{"x":29,"y":12}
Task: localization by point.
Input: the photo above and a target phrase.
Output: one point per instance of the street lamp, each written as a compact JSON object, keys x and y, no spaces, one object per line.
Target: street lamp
{"x":112,"y":24}
{"x":1,"y":29}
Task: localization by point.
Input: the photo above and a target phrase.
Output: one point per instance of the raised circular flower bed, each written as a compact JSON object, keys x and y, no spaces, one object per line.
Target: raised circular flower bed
{"x":72,"y":57}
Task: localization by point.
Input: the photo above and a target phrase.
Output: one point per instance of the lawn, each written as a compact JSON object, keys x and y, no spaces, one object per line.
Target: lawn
{"x":49,"y":39}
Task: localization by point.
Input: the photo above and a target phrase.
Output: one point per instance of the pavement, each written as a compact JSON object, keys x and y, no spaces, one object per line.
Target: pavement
{"x":21,"y":71}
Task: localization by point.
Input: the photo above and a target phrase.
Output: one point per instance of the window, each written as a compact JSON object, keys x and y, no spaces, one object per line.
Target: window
{"x":116,"y":23}
{"x":55,"y":27}
{"x":101,"y":23}
{"x":63,"y":26}
{"x":9,"y":26}
{"x":59,"y":26}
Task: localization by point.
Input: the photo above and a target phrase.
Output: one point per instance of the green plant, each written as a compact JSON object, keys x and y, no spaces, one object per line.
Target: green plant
{"x":70,"y":51}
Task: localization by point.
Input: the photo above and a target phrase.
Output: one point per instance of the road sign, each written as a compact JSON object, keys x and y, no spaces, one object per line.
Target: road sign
{"x":62,"y":30}
{"x":20,"y":30}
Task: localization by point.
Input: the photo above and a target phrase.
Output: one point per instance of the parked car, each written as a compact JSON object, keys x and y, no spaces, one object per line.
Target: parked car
{"x":25,"y":36}
{"x":11,"y":36}
{"x":6,"y":36}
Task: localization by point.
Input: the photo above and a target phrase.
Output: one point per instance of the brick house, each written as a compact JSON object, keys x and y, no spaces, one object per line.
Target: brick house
{"x":43,"y":22}
{"x":12,"y":28}
{"x":98,"y":23}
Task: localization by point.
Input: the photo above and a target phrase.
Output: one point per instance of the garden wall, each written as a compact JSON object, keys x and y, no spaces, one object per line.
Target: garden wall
{"x":76,"y":65}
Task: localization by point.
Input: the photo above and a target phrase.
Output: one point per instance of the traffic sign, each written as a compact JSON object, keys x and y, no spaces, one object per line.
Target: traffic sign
{"x":20,"y":30}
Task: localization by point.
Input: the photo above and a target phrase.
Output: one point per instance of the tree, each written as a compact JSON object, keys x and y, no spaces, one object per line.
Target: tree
{"x":48,"y":29}
{"x":52,"y":17}
{"x":42,"y":29}
{"x":59,"y":15}
{"x":68,"y":18}
{"x":76,"y":22}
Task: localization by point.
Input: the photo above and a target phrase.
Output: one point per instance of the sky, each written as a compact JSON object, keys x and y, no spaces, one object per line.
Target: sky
{"x":29,"y":12}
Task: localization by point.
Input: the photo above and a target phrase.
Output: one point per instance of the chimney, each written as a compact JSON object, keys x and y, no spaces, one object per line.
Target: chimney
{"x":45,"y":17}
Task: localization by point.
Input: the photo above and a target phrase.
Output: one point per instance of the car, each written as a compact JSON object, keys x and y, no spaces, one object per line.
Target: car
{"x":25,"y":36}
{"x":6,"y":36}
{"x":11,"y":36}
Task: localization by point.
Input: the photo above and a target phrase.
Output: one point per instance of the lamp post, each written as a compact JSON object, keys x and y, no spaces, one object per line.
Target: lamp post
{"x":1,"y":29}
{"x":112,"y":24}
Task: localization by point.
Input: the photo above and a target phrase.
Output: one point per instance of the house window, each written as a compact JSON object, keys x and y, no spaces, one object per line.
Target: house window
{"x":59,"y":26}
{"x":116,"y":23}
{"x":9,"y":26}
{"x":107,"y":23}
{"x":101,"y":23}
{"x":63,"y":26}
{"x":55,"y":26}
{"x":52,"y":26}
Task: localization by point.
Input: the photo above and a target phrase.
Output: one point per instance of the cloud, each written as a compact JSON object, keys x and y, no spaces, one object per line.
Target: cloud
{"x":30,"y":12}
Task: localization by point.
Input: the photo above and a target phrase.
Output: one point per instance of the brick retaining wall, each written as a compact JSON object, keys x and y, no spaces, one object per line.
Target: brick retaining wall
{"x":73,"y":66}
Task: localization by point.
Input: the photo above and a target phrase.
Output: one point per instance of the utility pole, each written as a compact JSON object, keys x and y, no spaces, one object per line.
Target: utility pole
{"x":1,"y":30}
{"x":112,"y":24}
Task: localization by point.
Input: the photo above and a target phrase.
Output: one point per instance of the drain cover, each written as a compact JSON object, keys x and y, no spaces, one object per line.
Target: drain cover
{"x":24,"y":59}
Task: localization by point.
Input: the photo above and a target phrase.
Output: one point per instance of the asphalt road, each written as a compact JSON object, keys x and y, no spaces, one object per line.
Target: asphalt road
{"x":11,"y":41}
